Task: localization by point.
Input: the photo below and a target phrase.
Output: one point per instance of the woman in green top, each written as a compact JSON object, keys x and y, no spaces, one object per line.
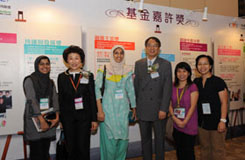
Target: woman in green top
{"x":113,"y":111}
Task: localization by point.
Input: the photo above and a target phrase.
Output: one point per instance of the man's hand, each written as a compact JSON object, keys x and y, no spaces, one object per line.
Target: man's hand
{"x":162,"y":115}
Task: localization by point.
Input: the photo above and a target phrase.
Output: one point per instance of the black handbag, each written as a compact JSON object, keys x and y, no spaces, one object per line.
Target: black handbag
{"x":49,"y":116}
{"x":61,"y":150}
{"x":102,"y":89}
{"x":131,"y":120}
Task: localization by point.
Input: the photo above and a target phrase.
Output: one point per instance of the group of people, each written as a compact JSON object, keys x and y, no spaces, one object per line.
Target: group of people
{"x":82,"y":102}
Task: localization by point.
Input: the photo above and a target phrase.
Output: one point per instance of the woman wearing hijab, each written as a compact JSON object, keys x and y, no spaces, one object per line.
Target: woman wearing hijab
{"x":40,"y":95}
{"x":77,"y":104}
{"x":113,"y":112}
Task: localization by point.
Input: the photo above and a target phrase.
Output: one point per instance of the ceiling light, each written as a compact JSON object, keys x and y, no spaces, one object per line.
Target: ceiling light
{"x":141,"y":6}
{"x":205,"y":14}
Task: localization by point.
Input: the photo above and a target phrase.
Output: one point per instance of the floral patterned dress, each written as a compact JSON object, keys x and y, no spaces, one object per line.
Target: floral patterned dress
{"x":118,"y":94}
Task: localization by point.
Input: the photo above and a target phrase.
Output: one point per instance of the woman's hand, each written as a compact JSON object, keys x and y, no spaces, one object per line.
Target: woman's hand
{"x":94,"y":126}
{"x":43,"y":124}
{"x":182,"y":124}
{"x":179,"y":123}
{"x":221,"y":127}
{"x":54,"y":122}
{"x":134,"y":114}
{"x":101,"y":116}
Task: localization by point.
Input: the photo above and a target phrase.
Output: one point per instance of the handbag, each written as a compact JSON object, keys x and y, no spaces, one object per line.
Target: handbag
{"x":169,"y":130}
{"x":49,"y":116}
{"x":131,"y":120}
{"x":61,"y":150}
{"x":102,"y":89}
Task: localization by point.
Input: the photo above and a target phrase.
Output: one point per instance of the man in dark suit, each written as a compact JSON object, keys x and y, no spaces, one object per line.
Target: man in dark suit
{"x":153,"y":88}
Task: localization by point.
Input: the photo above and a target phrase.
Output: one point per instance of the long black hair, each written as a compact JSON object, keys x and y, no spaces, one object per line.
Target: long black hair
{"x":186,"y":66}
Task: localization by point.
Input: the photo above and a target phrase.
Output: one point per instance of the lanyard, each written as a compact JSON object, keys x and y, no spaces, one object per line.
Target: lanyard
{"x":75,"y":87}
{"x":181,"y":95}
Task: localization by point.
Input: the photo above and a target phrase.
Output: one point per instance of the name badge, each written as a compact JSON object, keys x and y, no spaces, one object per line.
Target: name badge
{"x":44,"y":104}
{"x":154,"y":75}
{"x":84,"y":81}
{"x":179,"y":112}
{"x":119,"y":94}
{"x":206,"y":108}
{"x":78,"y":103}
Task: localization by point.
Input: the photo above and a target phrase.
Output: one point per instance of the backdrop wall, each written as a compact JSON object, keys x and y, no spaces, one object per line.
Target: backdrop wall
{"x":30,"y":28}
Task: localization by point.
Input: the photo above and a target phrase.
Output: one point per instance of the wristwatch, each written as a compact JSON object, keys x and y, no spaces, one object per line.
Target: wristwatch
{"x":223,"y":120}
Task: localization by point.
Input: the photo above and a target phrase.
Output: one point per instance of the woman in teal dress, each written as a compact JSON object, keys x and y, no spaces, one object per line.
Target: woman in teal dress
{"x":114,"y":109}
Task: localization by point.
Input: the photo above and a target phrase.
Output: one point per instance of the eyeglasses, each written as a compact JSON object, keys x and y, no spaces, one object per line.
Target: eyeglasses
{"x":152,"y":46}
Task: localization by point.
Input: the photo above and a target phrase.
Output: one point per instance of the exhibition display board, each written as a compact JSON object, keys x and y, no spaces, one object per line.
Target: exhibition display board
{"x":175,"y":48}
{"x":229,"y":65}
{"x":20,"y":45}
{"x":23,"y":43}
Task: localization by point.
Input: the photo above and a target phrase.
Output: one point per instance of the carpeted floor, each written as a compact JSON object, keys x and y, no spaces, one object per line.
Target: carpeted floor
{"x":235,"y":150}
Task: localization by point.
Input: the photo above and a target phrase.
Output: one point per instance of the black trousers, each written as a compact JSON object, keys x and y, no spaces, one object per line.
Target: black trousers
{"x":77,"y":136}
{"x":39,"y":149}
{"x":146,"y":138}
{"x":184,"y":145}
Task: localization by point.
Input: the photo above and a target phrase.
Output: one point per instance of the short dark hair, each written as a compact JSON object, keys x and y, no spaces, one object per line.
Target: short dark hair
{"x":73,"y":49}
{"x":187,"y":67}
{"x":210,"y":61}
{"x":155,"y":39}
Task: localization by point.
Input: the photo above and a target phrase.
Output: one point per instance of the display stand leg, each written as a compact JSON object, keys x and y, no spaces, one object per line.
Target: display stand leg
{"x":6,"y":147}
{"x":24,"y":144}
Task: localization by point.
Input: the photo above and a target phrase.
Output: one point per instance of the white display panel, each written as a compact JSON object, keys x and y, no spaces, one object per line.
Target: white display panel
{"x":20,"y":45}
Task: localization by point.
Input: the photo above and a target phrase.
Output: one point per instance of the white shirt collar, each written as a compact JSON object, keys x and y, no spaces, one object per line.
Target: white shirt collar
{"x":152,"y":61}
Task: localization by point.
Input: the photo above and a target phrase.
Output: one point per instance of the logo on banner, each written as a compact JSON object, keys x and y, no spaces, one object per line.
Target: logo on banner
{"x":114,"y":13}
{"x":192,"y":23}
{"x":145,"y":15}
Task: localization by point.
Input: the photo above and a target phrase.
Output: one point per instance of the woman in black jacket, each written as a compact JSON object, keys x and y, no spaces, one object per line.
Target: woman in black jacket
{"x":77,"y":100}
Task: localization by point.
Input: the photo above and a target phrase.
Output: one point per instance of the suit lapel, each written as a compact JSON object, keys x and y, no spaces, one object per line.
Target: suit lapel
{"x":146,"y":75}
{"x":156,"y":61}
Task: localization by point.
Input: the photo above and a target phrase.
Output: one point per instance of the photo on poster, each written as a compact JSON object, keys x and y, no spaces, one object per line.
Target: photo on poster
{"x":235,"y":95}
{"x":5,"y":100}
{"x":229,"y":66}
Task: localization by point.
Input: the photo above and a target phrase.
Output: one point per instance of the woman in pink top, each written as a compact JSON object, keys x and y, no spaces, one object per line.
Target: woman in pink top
{"x":183,"y":111}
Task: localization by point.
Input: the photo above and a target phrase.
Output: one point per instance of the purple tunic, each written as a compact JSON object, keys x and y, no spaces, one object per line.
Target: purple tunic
{"x":191,"y":126}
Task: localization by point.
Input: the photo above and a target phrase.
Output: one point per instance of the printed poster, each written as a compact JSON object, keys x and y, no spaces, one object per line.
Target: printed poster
{"x":229,"y":66}
{"x":20,"y":44}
